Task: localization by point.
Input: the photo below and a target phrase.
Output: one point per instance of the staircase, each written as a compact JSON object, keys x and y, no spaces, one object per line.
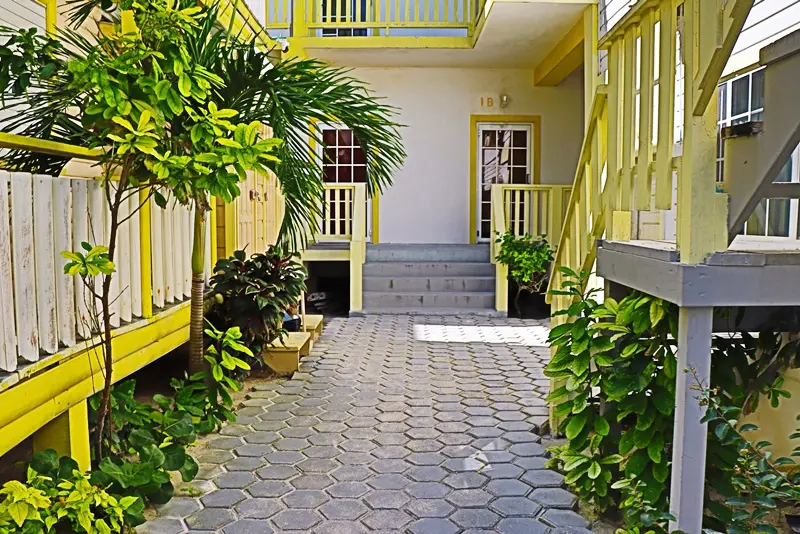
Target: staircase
{"x":429,"y":279}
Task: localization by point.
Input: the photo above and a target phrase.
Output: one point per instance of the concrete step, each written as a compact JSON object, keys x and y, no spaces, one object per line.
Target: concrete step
{"x":430,"y":299}
{"x":425,"y":269}
{"x":428,"y":253}
{"x":429,"y":283}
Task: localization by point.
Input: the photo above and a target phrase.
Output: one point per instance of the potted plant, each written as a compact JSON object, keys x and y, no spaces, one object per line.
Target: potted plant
{"x":528,"y":260}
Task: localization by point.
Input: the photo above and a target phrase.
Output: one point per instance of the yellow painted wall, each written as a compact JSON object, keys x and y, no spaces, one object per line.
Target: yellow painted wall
{"x":429,"y":201}
{"x":776,"y":424}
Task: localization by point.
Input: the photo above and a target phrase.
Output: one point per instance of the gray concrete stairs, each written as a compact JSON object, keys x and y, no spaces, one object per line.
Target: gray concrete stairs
{"x":428,"y":279}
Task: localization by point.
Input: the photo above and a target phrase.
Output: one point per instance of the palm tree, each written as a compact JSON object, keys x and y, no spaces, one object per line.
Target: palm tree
{"x":293,"y":97}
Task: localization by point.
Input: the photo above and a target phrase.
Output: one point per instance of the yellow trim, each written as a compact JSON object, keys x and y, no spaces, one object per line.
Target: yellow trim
{"x":231,"y":222}
{"x":212,"y":222}
{"x":376,"y":219}
{"x":386,"y":42}
{"x":534,"y":120}
{"x":42,"y":146}
{"x":33,"y":403}
{"x":563,"y":59}
{"x":145,"y":254}
{"x":68,"y":435}
{"x":325,"y":255}
{"x":50,"y":16}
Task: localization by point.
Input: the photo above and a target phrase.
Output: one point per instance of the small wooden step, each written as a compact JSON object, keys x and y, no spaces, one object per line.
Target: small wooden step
{"x":313,"y":325}
{"x":283,"y":356}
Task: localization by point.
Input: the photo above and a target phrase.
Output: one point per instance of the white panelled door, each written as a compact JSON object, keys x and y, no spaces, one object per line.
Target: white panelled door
{"x":504,"y":156}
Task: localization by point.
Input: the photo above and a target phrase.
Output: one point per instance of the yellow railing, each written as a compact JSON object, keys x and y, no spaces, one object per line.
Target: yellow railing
{"x":344,"y":220}
{"x":370,"y":18}
{"x":627,"y":162}
{"x":523,"y":209}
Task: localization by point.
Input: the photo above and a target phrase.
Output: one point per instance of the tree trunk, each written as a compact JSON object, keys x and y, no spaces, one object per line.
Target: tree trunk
{"x":516,"y":302}
{"x":196,"y":349}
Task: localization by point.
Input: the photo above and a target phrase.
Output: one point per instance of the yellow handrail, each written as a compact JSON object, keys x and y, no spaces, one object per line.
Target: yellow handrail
{"x":43,"y":146}
{"x":629,"y":142}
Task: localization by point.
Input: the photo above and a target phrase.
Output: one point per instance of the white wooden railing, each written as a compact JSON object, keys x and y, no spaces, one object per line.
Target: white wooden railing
{"x":43,"y":310}
{"x":340,"y":211}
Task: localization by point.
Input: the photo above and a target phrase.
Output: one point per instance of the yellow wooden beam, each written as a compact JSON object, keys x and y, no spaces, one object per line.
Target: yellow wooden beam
{"x":51,"y":15}
{"x":384,"y":42}
{"x":68,"y":435}
{"x":697,"y":226}
{"x":563,"y":59}
{"x":325,"y":255}
{"x":43,"y":146}
{"x":33,"y":403}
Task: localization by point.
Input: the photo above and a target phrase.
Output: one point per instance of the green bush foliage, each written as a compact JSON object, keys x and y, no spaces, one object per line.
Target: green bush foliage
{"x":616,"y":363}
{"x":58,"y":498}
{"x":528,"y":260}
{"x":254,"y":293}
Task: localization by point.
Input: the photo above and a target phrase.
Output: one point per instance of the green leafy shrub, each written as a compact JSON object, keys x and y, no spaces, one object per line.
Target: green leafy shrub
{"x":254,"y":293}
{"x":143,"y":445}
{"x":759,"y":480}
{"x":206,"y":395}
{"x":58,"y":498}
{"x":528,"y":260}
{"x":616,"y":365}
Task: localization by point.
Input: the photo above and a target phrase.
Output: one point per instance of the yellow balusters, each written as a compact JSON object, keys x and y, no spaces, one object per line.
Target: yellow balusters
{"x":646,"y":88}
{"x":666,"y":105}
{"x":628,"y":117}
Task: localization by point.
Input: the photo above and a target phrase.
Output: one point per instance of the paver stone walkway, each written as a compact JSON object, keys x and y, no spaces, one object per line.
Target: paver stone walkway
{"x":394,"y":424}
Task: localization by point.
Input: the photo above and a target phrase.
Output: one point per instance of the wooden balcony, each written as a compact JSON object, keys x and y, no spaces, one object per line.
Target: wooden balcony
{"x":368,"y":18}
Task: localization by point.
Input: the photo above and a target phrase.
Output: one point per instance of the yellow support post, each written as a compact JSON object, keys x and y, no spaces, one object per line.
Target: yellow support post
{"x":212,"y":222}
{"x":145,"y":254}
{"x":68,"y":435}
{"x":622,"y":225}
{"x":299,"y":20}
{"x":696,"y":181}
{"x":590,"y":63}
{"x":231,"y":227}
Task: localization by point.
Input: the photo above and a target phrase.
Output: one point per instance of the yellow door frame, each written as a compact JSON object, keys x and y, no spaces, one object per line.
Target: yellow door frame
{"x":536,"y":127}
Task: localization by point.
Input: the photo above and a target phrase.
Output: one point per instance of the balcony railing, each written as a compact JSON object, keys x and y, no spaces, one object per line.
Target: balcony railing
{"x":372,"y":18}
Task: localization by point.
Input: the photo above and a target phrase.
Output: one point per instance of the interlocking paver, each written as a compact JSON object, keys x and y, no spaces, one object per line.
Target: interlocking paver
{"x":393,"y":424}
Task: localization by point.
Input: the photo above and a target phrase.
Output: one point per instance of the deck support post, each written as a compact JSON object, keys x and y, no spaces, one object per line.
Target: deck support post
{"x":68,"y":434}
{"x":689,"y":441}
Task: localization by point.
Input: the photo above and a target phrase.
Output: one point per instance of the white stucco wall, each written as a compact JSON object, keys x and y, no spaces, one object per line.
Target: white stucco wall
{"x":429,"y":201}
